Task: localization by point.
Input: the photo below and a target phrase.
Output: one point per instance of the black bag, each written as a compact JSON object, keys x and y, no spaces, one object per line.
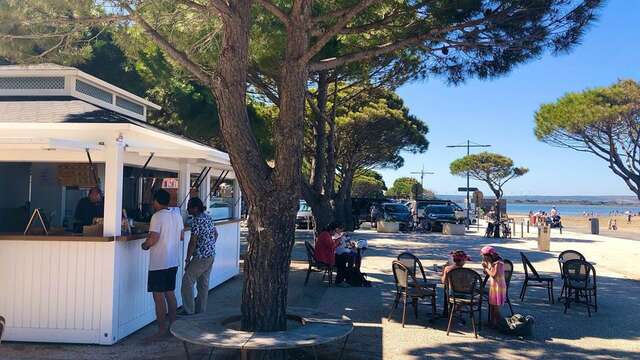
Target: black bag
{"x":517,"y":325}
{"x":356,"y":278}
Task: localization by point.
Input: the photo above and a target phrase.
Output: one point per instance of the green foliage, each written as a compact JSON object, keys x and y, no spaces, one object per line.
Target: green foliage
{"x":494,"y":169}
{"x":368,"y":184}
{"x":603,"y":121}
{"x":579,"y":113}
{"x":405,"y":187}
{"x":373,"y":131}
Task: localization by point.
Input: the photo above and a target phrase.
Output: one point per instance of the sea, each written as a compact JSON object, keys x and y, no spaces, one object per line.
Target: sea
{"x":566,"y":209}
{"x":615,"y":204}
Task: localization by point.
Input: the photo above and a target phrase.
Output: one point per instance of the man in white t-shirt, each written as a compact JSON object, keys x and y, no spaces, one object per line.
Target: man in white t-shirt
{"x":163,"y":243}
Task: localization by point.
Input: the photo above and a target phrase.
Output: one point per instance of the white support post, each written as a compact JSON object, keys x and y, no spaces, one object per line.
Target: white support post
{"x":114,"y":169}
{"x":184,"y":180}
{"x":205,"y":189}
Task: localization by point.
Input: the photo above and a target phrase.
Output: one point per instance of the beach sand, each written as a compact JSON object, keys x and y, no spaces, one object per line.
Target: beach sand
{"x":580,"y":224}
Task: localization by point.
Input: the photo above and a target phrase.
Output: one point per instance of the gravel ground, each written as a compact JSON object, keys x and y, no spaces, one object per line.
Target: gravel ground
{"x":612,"y":333}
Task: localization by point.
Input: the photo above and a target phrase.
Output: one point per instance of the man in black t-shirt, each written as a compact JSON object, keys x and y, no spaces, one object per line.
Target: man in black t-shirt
{"x":88,"y":208}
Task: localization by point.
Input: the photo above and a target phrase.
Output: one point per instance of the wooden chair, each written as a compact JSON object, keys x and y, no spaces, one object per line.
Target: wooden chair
{"x":2,"y":322}
{"x":533,"y":279}
{"x":564,"y":257}
{"x":465,"y":291}
{"x":314,"y":265}
{"x":580,"y":282}
{"x":508,"y":273}
{"x":408,"y":287}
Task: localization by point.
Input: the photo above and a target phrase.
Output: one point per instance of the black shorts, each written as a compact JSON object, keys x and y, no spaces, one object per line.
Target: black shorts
{"x":162,"y":280}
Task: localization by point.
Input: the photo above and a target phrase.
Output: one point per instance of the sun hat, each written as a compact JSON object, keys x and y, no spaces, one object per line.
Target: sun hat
{"x":460,"y":255}
{"x":488,"y":250}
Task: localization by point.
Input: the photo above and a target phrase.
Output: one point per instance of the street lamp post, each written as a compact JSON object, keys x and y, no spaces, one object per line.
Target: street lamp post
{"x":468,"y":145}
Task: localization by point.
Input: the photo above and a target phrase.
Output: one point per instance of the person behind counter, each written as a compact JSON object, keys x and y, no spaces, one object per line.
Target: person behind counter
{"x":163,"y":241}
{"x":88,"y":208}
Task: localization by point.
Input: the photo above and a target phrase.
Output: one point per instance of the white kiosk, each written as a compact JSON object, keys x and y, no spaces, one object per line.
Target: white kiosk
{"x":79,"y":288}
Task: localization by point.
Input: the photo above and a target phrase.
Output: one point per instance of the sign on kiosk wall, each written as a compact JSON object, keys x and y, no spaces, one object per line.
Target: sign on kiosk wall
{"x":77,"y":175}
{"x":171,"y":185}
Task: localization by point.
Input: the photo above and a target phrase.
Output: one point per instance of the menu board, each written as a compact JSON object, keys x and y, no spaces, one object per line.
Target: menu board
{"x":79,"y":175}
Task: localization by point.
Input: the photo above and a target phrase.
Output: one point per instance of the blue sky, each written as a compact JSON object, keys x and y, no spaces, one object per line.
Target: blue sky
{"x":500,"y":112}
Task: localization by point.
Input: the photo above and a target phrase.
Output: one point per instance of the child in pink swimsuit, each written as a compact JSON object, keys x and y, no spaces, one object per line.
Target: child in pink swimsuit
{"x":494,"y":267}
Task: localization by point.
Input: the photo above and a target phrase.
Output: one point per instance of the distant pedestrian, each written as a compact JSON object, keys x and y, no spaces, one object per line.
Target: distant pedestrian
{"x":163,"y":243}
{"x":201,"y":254}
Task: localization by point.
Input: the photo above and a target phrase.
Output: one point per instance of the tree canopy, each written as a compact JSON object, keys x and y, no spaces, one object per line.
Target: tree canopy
{"x":368,"y":184}
{"x":493,"y":169}
{"x":604,"y":121}
{"x":405,"y":187}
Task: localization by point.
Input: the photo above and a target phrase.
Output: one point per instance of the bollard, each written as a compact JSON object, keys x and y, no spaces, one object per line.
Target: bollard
{"x":522,"y":229}
{"x":527,"y":226}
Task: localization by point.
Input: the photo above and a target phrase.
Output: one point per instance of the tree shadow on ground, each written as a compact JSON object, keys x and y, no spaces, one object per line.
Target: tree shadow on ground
{"x":481,"y":350}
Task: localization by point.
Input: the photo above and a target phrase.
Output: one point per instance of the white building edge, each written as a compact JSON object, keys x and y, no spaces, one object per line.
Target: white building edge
{"x":90,"y":289}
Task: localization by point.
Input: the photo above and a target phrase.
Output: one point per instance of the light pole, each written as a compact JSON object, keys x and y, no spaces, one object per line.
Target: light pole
{"x":422,"y":173}
{"x":468,"y":145}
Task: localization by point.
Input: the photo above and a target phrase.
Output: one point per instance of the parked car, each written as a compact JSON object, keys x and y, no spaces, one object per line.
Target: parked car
{"x":436,"y":215}
{"x":304,"y":219}
{"x":398,"y":213}
{"x":361,"y":209}
{"x":219,"y":210}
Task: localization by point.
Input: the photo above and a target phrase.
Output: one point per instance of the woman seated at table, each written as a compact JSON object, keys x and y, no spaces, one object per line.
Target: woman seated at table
{"x":325,"y":248}
{"x":459,"y":258}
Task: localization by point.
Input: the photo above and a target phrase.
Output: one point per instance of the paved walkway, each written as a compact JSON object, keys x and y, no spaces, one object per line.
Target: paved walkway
{"x":611,"y":333}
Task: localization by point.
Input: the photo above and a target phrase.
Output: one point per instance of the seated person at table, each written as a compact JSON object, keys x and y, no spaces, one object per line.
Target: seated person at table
{"x":88,"y":208}
{"x":325,"y":246}
{"x":345,"y":256}
{"x":459,"y":258}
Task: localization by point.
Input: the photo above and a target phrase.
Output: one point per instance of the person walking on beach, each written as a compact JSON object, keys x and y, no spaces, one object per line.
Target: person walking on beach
{"x":163,"y":243}
{"x":201,"y":254}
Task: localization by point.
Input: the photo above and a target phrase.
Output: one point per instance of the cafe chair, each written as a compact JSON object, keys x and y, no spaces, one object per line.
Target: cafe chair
{"x":580,"y":284}
{"x":414,"y":264}
{"x":407,"y":286}
{"x":564,"y":257}
{"x":315,"y":265}
{"x":2,"y":322}
{"x":465,"y":295}
{"x":533,"y":279}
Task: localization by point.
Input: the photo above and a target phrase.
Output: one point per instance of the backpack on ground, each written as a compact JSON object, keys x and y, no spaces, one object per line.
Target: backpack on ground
{"x":356,"y":278}
{"x":517,"y":325}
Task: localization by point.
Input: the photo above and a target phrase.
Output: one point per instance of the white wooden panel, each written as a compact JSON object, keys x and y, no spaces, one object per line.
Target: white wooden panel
{"x":50,"y":288}
{"x":226,"y":264}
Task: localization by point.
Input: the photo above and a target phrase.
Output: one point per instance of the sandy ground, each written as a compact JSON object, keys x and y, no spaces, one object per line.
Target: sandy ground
{"x":581,"y":224}
{"x":612,"y":333}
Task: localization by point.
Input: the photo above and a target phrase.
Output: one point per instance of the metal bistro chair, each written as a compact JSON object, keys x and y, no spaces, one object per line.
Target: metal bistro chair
{"x":2,"y":323}
{"x":408,"y":287}
{"x":315,"y":265}
{"x":414,"y":264}
{"x":508,"y":273}
{"x":533,"y":279}
{"x":580,"y":280}
{"x":465,"y":291}
{"x":564,"y":257}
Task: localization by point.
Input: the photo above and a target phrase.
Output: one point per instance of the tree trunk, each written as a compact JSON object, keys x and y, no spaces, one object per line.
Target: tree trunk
{"x":496,"y":230}
{"x":272,"y":194}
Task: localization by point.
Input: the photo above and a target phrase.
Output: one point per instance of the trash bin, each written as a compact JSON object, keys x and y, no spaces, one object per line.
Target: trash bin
{"x":594,"y":224}
{"x":544,"y":237}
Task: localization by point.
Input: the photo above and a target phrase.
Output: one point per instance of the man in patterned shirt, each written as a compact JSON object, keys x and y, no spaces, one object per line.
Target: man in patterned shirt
{"x":199,"y":261}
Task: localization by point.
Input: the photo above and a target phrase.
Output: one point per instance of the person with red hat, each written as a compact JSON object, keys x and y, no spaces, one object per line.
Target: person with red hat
{"x":459,"y":258}
{"x":494,"y":267}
